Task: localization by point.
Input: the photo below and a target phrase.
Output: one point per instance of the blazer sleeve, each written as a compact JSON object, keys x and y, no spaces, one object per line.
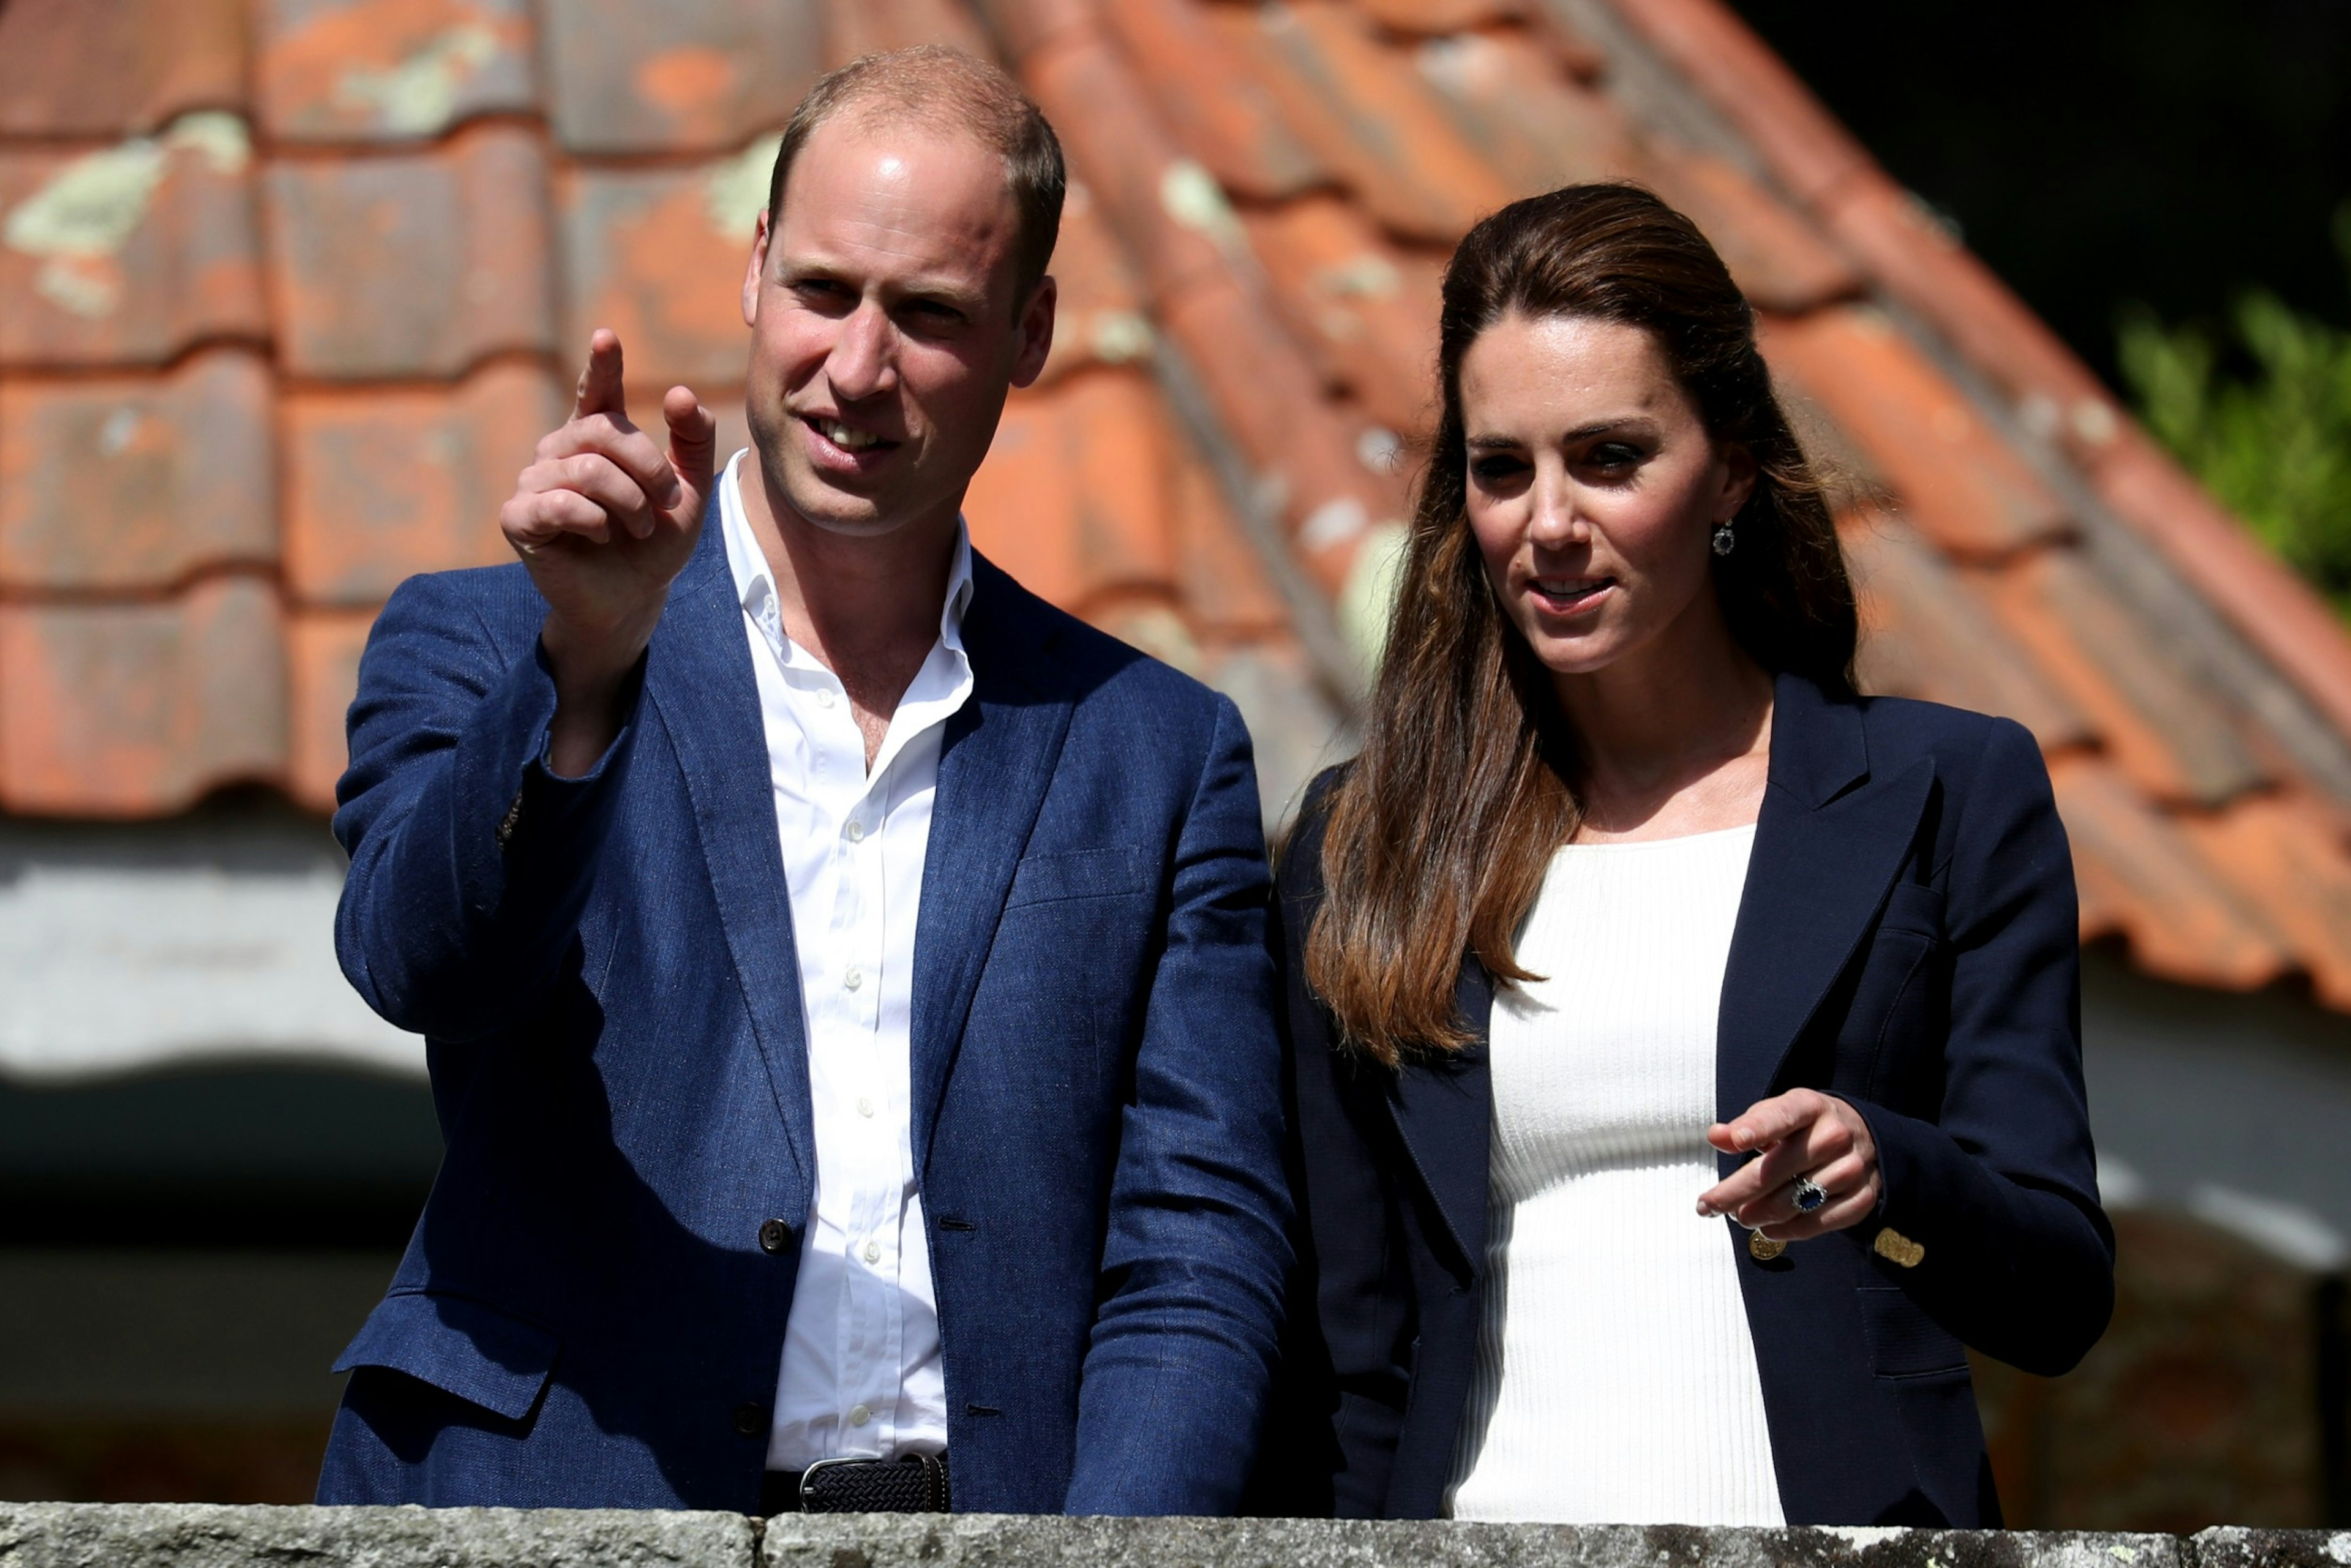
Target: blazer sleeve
{"x":1339,"y":1399}
{"x":2000,"y":1190}
{"x":1175,"y":1383}
{"x":470,"y":861}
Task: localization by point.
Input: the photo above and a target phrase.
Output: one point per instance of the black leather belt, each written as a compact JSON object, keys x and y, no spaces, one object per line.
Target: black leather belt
{"x":917,"y":1484}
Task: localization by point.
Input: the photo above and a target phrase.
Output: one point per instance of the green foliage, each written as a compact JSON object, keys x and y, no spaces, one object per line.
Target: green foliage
{"x":2260,"y":412}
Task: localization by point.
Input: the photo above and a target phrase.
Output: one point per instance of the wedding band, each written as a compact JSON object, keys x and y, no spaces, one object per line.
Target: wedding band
{"x":1807,"y":1194}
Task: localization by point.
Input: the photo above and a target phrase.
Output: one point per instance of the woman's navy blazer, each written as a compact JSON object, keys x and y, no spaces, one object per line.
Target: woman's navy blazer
{"x":1905,"y":941}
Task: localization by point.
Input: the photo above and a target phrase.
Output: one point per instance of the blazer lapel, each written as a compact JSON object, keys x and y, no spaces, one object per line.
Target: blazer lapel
{"x":698,"y":677}
{"x":1445,"y":1109}
{"x":995,"y":759}
{"x":1828,"y":844}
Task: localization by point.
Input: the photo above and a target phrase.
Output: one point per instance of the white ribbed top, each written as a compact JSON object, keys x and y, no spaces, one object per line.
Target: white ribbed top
{"x":1616,"y":1378}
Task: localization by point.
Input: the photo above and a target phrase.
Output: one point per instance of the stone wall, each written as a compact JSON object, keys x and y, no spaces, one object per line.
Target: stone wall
{"x":166,"y":1535}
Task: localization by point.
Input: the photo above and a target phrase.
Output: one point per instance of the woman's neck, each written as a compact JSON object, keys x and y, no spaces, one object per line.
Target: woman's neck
{"x":1673,"y":738}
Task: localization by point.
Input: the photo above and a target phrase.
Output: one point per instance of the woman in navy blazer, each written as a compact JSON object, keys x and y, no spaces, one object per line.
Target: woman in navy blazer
{"x":1623,"y":619}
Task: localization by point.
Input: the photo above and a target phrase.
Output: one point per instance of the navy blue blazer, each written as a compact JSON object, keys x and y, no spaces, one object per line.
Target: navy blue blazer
{"x":603,"y":968}
{"x":1906,"y":940}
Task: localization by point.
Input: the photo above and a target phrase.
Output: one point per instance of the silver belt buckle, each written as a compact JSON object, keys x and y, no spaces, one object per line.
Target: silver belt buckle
{"x":824,"y":1465}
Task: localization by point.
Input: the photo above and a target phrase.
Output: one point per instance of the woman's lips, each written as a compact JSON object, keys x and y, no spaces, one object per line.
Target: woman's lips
{"x":1569,"y":595}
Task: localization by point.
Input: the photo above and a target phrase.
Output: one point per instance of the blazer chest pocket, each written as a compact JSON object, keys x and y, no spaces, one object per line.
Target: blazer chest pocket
{"x":1114,"y":872}
{"x":1889,"y":1046}
{"x":459,"y":1345}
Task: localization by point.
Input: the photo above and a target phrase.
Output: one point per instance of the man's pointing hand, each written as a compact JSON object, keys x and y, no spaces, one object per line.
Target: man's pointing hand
{"x":605,"y":519}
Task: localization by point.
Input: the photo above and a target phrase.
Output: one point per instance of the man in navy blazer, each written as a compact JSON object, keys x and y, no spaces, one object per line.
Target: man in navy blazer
{"x":845,"y":978}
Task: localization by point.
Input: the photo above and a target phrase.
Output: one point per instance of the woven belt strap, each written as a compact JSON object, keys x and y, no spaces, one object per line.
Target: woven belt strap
{"x":914,"y":1484}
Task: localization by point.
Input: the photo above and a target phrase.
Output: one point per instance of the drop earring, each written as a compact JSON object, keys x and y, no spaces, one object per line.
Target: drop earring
{"x":1724,"y":538}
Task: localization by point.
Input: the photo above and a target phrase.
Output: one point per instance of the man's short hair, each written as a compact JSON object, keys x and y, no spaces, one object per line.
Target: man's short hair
{"x":947,"y":90}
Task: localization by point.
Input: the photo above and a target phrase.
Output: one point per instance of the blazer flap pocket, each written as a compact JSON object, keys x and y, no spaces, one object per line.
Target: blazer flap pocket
{"x":1913,"y":906}
{"x":1904,"y":1342}
{"x":1079,"y":873}
{"x":459,"y":1345}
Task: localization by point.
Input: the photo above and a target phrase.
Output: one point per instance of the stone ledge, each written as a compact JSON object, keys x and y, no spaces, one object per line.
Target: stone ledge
{"x":193,"y":1535}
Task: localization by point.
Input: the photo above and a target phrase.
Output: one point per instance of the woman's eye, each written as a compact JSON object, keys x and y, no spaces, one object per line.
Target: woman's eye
{"x":1615,"y":454}
{"x":1492,"y":471}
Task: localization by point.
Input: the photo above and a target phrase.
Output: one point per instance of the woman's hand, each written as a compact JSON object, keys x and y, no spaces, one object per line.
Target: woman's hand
{"x":1803,"y":1132}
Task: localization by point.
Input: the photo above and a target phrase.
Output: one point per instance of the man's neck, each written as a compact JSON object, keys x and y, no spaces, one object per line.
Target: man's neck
{"x":867,"y":607}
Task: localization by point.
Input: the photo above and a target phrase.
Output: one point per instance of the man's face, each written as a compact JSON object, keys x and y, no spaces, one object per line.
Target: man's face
{"x":885,"y":332}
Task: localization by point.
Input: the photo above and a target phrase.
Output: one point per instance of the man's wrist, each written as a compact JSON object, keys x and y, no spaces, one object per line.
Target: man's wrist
{"x":591,"y":679}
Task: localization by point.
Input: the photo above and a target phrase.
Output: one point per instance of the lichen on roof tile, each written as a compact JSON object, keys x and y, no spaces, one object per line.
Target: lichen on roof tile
{"x":129,"y":253}
{"x":414,"y":265}
{"x":1533,"y":120}
{"x":75,"y":67}
{"x":1365,"y":307}
{"x":1211,"y":101}
{"x":131,"y":483}
{"x":333,"y":70}
{"x":136,"y":709}
{"x":687,"y":76}
{"x":1099,"y":316}
{"x":658,"y":255}
{"x":388,"y":482}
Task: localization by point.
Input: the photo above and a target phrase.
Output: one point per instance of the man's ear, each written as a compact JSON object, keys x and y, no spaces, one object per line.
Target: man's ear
{"x":1036,"y":332}
{"x":755,"y":272}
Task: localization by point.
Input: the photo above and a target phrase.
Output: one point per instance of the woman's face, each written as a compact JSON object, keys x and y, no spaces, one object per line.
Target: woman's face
{"x":1593,"y":488}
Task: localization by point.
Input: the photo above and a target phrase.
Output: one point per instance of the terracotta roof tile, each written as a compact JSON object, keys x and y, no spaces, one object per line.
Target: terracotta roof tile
{"x":1222,"y":578}
{"x":385,"y":483}
{"x":134,"y":710}
{"x":1437,"y":18}
{"x":1778,"y":259}
{"x":1925,"y":636}
{"x":332,"y":70}
{"x":2169,"y":734}
{"x":2183,"y":919}
{"x":687,"y":76}
{"x":1210,"y":307}
{"x":854,"y":27}
{"x":1966,"y":489}
{"x":68,"y":68}
{"x":322,"y":670}
{"x":1221,"y":111}
{"x":1365,"y":307}
{"x":1099,"y":313}
{"x":129,"y":253}
{"x":414,"y":265}
{"x":1076,"y":497}
{"x":658,"y":255}
{"x":131,"y":483}
{"x":2288,"y":856}
{"x":1537,"y":125}
{"x":1367,"y":114}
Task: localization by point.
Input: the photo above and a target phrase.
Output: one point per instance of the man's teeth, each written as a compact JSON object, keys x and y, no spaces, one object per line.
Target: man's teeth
{"x":849,"y":440}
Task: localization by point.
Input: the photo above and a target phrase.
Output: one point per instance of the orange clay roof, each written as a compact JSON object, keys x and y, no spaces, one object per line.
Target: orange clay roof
{"x":287,"y":287}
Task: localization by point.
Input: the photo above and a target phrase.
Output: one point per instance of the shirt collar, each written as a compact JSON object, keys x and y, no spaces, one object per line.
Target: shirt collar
{"x":755,"y":584}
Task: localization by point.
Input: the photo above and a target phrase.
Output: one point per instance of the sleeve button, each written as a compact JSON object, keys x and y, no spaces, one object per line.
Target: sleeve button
{"x":775,"y":1236}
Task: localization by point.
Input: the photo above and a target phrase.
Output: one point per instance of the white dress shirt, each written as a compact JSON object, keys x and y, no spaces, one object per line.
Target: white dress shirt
{"x":861,"y":1373}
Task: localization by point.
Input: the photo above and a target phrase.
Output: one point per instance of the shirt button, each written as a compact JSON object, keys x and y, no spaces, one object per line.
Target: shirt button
{"x":853,"y":977}
{"x":873,"y":1252}
{"x":775,"y":1236}
{"x":864,"y":1107}
{"x":750,"y":1420}
{"x":823,"y":696}
{"x":856,"y":832}
{"x":858,"y":1415}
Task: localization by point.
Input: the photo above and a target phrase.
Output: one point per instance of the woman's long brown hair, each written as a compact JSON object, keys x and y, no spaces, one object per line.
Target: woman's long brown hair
{"x":1439,"y":834}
